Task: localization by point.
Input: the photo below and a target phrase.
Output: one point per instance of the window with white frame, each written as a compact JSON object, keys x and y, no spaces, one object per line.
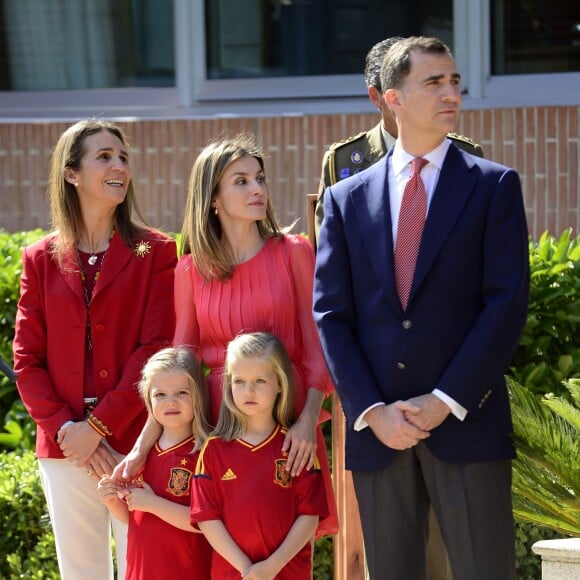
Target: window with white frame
{"x":535,"y":37}
{"x":243,"y":51}
{"x":85,"y":44}
{"x":290,"y":38}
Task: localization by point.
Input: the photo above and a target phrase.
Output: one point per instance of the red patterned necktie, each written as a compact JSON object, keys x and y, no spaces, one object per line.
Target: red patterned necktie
{"x":410,"y":230}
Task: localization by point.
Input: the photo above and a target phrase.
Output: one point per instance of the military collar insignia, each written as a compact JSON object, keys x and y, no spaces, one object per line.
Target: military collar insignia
{"x":356,"y":157}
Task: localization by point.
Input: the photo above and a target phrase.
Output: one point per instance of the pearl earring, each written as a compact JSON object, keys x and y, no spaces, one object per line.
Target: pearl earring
{"x":215,"y":210}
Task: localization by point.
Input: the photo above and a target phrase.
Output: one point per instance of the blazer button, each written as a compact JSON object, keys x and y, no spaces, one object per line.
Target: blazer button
{"x":407,"y":324}
{"x":103,"y":374}
{"x":401,"y":366}
{"x":99,"y":327}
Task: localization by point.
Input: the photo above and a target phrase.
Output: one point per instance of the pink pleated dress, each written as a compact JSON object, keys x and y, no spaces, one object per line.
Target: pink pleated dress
{"x":271,"y":292}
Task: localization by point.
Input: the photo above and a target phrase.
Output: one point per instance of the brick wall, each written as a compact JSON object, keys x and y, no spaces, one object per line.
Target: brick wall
{"x":542,"y":143}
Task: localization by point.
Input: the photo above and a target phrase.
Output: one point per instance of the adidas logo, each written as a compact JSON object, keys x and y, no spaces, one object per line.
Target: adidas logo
{"x":229,"y":474}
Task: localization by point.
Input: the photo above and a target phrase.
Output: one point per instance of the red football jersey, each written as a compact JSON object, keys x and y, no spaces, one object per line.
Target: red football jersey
{"x":155,"y":548}
{"x":247,"y":487}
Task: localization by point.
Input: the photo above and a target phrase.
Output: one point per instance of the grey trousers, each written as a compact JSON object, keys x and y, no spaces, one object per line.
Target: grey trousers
{"x":472,"y":503}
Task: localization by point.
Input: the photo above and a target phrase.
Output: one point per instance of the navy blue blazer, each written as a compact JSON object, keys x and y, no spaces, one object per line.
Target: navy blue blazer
{"x":466,"y":310}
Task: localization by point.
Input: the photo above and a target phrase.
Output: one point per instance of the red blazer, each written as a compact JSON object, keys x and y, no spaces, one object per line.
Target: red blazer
{"x":132,"y":316}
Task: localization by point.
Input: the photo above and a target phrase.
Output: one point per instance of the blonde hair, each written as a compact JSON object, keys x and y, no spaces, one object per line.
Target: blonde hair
{"x":201,"y":232}
{"x":65,"y":209}
{"x":267,"y":348}
{"x":180,"y":360}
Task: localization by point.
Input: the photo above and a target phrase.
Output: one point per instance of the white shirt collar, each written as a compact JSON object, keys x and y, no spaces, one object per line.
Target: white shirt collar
{"x":387,"y":137}
{"x":401,"y":159}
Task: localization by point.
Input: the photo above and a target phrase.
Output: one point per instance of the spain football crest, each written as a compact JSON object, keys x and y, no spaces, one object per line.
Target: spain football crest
{"x":282,"y":477}
{"x":179,"y":482}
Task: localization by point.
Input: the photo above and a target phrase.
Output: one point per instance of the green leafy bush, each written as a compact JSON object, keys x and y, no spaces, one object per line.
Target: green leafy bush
{"x":20,"y":429}
{"x":10,"y":269}
{"x":528,"y":564}
{"x":545,"y":410}
{"x":26,"y":543}
{"x":323,"y":559}
{"x":549,"y":350}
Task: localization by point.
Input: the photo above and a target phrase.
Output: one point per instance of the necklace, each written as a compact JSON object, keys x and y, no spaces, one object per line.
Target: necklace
{"x":88,"y":292}
{"x":93,"y":257}
{"x":89,"y":282}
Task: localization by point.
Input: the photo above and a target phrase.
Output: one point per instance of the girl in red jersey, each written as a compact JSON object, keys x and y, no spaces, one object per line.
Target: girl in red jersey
{"x":161,"y":541}
{"x":258,"y":518}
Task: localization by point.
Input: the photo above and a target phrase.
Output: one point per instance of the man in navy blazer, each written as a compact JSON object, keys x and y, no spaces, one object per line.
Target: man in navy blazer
{"x":422,"y":386}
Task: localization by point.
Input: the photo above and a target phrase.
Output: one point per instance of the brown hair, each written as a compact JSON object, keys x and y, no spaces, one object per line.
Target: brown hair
{"x":374,"y":60}
{"x":397,"y":62}
{"x":65,"y":210}
{"x":201,"y":232}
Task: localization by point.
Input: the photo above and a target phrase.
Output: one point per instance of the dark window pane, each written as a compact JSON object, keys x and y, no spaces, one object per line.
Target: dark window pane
{"x":86,"y":44}
{"x":268,"y":38}
{"x":535,"y":36}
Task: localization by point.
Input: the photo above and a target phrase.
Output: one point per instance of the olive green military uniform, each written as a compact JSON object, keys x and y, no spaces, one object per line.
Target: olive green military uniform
{"x":357,"y":153}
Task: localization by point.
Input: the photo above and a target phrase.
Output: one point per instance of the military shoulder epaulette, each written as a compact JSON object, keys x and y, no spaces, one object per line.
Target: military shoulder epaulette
{"x":459,"y":137}
{"x":352,"y":139}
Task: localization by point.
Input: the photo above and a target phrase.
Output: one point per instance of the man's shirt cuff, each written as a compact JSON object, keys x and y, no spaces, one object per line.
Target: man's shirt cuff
{"x":360,"y":422}
{"x":457,"y":410}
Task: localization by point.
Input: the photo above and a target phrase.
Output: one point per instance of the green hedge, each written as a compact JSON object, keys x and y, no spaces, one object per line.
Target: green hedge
{"x":20,"y":431}
{"x":26,"y":542}
{"x":549,"y":350}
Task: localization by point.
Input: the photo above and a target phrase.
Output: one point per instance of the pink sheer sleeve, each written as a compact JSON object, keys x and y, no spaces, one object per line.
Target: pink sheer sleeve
{"x":186,"y":326}
{"x":302,"y":265}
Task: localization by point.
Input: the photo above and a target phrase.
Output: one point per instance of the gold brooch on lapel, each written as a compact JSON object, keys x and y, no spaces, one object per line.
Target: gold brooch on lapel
{"x":142,"y":249}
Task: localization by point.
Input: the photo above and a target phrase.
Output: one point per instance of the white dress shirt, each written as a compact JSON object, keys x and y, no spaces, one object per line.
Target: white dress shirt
{"x":399,"y":172}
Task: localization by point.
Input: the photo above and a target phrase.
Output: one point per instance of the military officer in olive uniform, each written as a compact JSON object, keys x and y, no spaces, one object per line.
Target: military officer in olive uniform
{"x":353,"y":155}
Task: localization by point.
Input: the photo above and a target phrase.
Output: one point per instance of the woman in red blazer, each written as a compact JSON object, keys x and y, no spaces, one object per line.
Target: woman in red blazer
{"x":96,"y":302}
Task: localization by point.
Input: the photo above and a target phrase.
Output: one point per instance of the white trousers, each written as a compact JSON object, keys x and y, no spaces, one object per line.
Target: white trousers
{"x":81,"y":523}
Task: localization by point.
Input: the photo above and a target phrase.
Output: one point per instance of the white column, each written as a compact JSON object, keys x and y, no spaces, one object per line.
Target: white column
{"x":560,"y":558}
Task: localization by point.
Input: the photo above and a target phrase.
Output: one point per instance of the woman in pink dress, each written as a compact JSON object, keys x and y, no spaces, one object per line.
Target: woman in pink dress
{"x":240,"y":273}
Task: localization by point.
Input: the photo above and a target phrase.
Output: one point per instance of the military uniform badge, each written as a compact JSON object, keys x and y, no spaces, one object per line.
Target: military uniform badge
{"x":356,"y":157}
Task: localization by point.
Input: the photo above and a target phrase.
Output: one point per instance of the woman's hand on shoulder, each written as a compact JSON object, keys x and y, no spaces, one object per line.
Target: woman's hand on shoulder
{"x":300,"y":442}
{"x":132,"y":463}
